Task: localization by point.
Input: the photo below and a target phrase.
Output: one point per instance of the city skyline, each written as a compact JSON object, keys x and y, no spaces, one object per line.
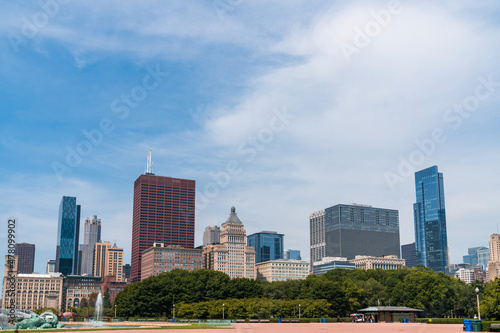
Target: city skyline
{"x":268,"y":116}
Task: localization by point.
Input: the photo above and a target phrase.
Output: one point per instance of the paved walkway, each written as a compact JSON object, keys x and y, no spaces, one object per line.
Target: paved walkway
{"x":318,"y":327}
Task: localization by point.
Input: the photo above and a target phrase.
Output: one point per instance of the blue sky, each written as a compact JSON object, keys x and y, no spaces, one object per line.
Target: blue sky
{"x":311,"y":103}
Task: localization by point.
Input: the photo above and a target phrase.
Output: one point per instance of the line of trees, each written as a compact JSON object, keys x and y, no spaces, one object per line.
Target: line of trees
{"x":339,"y":292}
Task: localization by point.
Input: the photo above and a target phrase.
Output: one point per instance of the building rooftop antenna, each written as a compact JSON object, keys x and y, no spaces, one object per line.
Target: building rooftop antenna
{"x":149,"y":164}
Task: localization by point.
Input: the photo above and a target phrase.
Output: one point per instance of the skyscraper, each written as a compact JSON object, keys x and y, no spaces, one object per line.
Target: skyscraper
{"x":92,"y":235}
{"x":163,"y":213}
{"x":409,"y":255}
{"x":231,"y":256}
{"x":108,"y":260}
{"x":211,"y":235}
{"x":268,"y":245}
{"x":351,"y":230}
{"x":68,"y":236}
{"x":431,"y":240}
{"x":292,"y":255}
{"x":26,"y":255}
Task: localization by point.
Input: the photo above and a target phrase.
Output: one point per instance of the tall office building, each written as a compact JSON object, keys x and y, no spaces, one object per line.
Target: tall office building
{"x":494,"y":263}
{"x":211,"y":235}
{"x":126,"y":271}
{"x":431,"y":240}
{"x":51,"y":266}
{"x":351,"y":230}
{"x":91,"y":235}
{"x":231,"y":256}
{"x":291,"y":255}
{"x":108,"y":260}
{"x":483,"y":257}
{"x":68,"y":236}
{"x":471,"y":257}
{"x":163,"y":213}
{"x":26,"y":255}
{"x":408,"y":253}
{"x":268,"y":245}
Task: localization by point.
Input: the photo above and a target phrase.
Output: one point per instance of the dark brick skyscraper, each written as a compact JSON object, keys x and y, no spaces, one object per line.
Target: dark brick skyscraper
{"x":26,"y":261}
{"x":163,"y":213}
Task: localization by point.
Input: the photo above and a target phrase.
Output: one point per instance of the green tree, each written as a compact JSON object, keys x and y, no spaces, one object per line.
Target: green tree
{"x":84,"y":303}
{"x":490,"y":300}
{"x":106,"y":303}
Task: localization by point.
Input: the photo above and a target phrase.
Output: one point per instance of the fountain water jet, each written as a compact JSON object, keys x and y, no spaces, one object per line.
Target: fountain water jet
{"x":98,"y":321}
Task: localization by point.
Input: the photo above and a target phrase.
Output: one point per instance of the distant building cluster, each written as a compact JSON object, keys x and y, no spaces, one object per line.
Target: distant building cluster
{"x":342,"y":236}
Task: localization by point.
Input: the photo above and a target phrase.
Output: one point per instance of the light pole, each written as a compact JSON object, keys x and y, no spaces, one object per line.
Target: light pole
{"x":173,"y":315}
{"x":115,"y":311}
{"x":222,"y":311}
{"x":478,"y":310}
{"x":299,"y":311}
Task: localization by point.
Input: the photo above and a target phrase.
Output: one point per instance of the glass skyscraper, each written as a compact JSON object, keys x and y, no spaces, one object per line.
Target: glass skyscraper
{"x":268,"y":245}
{"x":68,"y":236}
{"x":431,"y":240}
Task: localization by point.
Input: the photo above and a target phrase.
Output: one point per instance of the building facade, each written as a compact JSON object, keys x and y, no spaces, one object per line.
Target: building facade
{"x":292,"y":254}
{"x":232,"y":256}
{"x":211,"y":235}
{"x":351,"y":230}
{"x":409,"y":254}
{"x":159,"y":259}
{"x":113,"y":287}
{"x":282,"y":270}
{"x":68,"y":236}
{"x":91,"y":235}
{"x":26,"y":254}
{"x":78,"y":287}
{"x":51,"y":266}
{"x":126,"y":271}
{"x":268,"y":245}
{"x":108,"y":260}
{"x":494,"y":263}
{"x":163,"y":212}
{"x":471,"y":257}
{"x":483,"y":257}
{"x":32,"y":291}
{"x":386,"y":262}
{"x":465,"y":275}
{"x":431,"y":240}
{"x":328,"y":263}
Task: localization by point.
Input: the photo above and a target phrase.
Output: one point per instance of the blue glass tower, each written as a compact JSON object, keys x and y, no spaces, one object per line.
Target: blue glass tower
{"x":68,"y":236}
{"x":268,"y":245}
{"x":431,"y":240}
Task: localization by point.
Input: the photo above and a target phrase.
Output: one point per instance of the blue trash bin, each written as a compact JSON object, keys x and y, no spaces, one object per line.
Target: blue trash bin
{"x":406,"y":320}
{"x":324,"y":320}
{"x":279,"y":320}
{"x":467,"y":325}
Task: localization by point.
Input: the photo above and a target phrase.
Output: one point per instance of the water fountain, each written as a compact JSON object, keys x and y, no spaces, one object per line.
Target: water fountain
{"x":98,"y":316}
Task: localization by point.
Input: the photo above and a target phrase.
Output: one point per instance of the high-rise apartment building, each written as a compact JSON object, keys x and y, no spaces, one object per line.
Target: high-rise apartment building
{"x":26,"y":255}
{"x":163,"y":212}
{"x":351,"y":230}
{"x":408,"y":253}
{"x":68,"y":236}
{"x":231,"y":256}
{"x":431,"y":240}
{"x":108,"y":260}
{"x":268,"y":245}
{"x":159,"y":259}
{"x":211,"y":235}
{"x":91,"y":235}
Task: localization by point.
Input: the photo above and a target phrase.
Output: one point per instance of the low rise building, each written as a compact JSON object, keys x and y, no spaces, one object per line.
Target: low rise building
{"x":78,"y":287}
{"x":385,"y":262}
{"x":282,"y":270}
{"x":159,"y":259}
{"x":113,"y":287}
{"x":32,"y":291}
{"x":328,"y":263}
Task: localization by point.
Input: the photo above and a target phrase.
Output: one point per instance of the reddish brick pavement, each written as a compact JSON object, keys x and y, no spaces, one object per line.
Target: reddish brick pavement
{"x":317,"y":327}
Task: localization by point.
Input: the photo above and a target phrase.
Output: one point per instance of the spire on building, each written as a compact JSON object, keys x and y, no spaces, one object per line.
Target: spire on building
{"x":149,"y":164}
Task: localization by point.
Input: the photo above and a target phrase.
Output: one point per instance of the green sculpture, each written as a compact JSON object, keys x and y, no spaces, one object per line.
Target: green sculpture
{"x":45,"y":320}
